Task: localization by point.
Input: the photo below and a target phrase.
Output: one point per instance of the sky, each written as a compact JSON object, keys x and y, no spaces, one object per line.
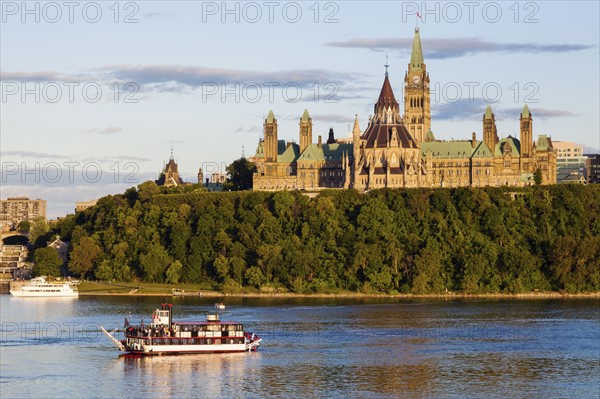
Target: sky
{"x":94,"y":95}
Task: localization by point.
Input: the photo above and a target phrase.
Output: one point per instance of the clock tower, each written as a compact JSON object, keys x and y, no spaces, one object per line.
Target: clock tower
{"x":417,"y":106}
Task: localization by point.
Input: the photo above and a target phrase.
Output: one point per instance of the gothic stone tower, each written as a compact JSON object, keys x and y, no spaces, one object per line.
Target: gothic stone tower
{"x":490,"y":135}
{"x":526,"y":139}
{"x":417,"y":105}
{"x":270,"y":133}
{"x":305,"y":131}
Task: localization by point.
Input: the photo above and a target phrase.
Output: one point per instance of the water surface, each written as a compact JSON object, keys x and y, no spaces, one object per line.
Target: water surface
{"x":312,"y":348}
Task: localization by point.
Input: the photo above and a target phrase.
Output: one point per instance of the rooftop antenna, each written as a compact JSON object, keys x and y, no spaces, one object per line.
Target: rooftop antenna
{"x":243,"y":154}
{"x":171,"y":152}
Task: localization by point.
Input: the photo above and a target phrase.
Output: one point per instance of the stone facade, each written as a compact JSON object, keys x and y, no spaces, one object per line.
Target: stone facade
{"x":401,"y":151}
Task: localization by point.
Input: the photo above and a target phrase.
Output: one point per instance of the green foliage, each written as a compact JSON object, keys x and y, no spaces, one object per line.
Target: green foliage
{"x":37,"y":232}
{"x":423,"y":241}
{"x":84,"y":256}
{"x":24,"y":226}
{"x":174,"y":272}
{"x":537,"y":176}
{"x":47,"y":262}
{"x":240,"y":174}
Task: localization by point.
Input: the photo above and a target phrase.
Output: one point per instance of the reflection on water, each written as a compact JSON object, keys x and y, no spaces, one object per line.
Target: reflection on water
{"x":311,"y":348}
{"x":173,"y":376}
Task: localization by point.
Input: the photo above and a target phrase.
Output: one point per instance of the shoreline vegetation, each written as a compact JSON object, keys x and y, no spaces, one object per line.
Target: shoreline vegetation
{"x":387,"y":242}
{"x":149,"y":290}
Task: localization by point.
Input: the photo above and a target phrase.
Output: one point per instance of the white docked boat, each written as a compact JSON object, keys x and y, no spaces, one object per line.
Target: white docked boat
{"x":164,"y":336}
{"x":39,"y":287}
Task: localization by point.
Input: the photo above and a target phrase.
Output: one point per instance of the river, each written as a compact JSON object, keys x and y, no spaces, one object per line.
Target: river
{"x":312,"y":348}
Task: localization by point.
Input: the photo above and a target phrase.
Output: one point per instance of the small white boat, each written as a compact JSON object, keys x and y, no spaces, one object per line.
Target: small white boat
{"x":39,"y":287}
{"x":219,"y":305}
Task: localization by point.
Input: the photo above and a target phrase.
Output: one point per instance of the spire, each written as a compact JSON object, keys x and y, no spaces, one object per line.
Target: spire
{"x":305,"y":116}
{"x":386,"y":97}
{"x":416,"y":57}
{"x":386,"y":64}
{"x":171,"y":157}
{"x":270,"y":117}
{"x":525,"y":113}
{"x":488,"y":113}
{"x":356,"y":128}
{"x":331,"y":138}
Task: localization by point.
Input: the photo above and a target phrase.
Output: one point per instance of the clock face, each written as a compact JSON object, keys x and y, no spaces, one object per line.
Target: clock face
{"x":416,"y":79}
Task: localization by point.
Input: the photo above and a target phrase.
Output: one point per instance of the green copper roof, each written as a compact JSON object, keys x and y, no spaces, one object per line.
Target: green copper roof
{"x":543,"y":142}
{"x":488,"y":112}
{"x":455,"y":149}
{"x":270,"y":117}
{"x":312,"y":153}
{"x":289,"y":154}
{"x":305,"y":116}
{"x":416,"y":58}
{"x":513,"y":142}
{"x":525,"y":112}
{"x":260,"y":152}
{"x":429,"y":136}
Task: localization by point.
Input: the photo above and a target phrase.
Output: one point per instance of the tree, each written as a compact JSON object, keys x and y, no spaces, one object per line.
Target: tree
{"x":38,"y":229}
{"x":84,"y":255}
{"x":537,"y":176}
{"x":240,"y":175}
{"x":24,"y":226}
{"x":47,"y":262}
{"x":154,"y":263}
{"x":174,"y":272}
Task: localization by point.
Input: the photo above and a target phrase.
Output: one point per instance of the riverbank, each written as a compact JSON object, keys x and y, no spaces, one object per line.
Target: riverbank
{"x":100,"y":289}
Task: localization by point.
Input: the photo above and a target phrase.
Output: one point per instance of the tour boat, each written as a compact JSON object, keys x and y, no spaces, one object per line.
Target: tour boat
{"x":39,"y":287}
{"x":164,"y":336}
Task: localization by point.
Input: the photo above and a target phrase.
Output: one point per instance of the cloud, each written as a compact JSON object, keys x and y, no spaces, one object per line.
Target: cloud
{"x":463,"y":109}
{"x":441,"y":48}
{"x":248,"y":129}
{"x":110,"y":130}
{"x":32,"y":154}
{"x":539,"y":113}
{"x":183,"y":79}
{"x":177,"y":76}
{"x":117,"y":158}
{"x":41,"y":76}
{"x":466,"y":109}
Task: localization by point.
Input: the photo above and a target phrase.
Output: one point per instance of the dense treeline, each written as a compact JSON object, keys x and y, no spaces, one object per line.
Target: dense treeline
{"x":418,"y":240}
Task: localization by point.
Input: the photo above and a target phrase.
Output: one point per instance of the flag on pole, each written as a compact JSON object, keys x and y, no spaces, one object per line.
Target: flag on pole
{"x":418,"y":15}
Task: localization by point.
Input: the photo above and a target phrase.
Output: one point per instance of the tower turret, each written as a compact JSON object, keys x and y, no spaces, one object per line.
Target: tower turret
{"x":417,"y":106}
{"x":526,"y":136}
{"x":490,"y":135}
{"x":305,"y":131}
{"x":270,"y":138}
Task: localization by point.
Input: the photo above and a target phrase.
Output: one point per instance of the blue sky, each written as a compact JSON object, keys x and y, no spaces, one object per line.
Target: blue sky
{"x":91,"y":106}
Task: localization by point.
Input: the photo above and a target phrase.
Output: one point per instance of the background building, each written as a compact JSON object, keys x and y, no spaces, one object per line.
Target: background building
{"x":83,"y":205}
{"x":592,"y":167}
{"x":17,"y":209}
{"x":570,"y":162}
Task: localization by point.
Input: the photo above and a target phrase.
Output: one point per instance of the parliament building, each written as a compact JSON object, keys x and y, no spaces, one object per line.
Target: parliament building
{"x":398,"y":151}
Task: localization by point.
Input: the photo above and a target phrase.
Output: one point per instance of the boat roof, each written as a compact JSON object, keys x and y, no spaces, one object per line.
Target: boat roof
{"x":205,"y":322}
